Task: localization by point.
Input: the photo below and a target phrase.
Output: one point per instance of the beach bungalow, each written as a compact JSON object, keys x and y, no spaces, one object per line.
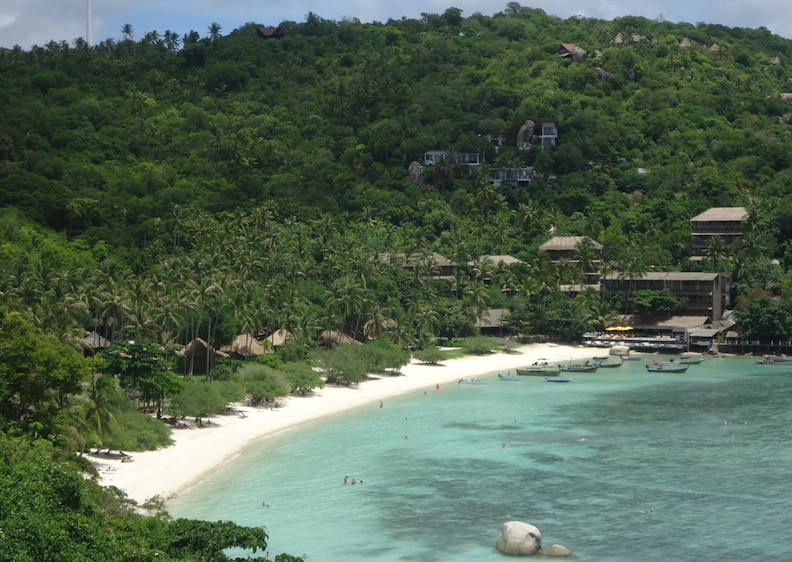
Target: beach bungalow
{"x":199,"y":357}
{"x":93,"y":342}
{"x":278,"y":338}
{"x":244,"y":347}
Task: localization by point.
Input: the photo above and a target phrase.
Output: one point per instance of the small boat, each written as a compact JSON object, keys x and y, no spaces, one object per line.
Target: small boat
{"x":509,"y":377}
{"x":775,"y":360}
{"x":691,"y":360}
{"x":666,"y":367}
{"x":471,"y":381}
{"x":611,"y":364}
{"x":554,"y":379}
{"x":538,"y":371}
{"x":586,"y":367}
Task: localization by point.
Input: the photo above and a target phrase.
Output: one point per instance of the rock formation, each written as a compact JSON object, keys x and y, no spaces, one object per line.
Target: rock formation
{"x":518,"y":538}
{"x":525,"y":136}
{"x":557,"y":551}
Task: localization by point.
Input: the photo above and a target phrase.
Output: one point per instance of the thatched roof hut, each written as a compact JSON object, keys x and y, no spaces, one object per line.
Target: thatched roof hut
{"x":330,"y":337}
{"x":93,"y":342}
{"x":278,"y":338}
{"x":199,"y":348}
{"x":244,"y":347}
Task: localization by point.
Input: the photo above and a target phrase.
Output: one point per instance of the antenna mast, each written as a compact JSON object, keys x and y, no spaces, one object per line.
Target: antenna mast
{"x":89,"y":24}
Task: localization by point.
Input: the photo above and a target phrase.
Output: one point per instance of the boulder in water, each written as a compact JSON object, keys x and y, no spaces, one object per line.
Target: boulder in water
{"x":557,"y":551}
{"x":518,"y":538}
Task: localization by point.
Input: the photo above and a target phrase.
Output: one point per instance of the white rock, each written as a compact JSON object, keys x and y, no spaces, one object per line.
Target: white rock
{"x":518,"y":538}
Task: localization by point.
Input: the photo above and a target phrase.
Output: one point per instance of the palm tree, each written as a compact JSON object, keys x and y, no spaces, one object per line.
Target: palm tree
{"x":127,"y":32}
{"x":632,"y":268}
{"x":717,"y":251}
{"x":214,"y":31}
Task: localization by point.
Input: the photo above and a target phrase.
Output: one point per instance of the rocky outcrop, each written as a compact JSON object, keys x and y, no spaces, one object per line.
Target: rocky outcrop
{"x":557,"y":551}
{"x":518,"y":538}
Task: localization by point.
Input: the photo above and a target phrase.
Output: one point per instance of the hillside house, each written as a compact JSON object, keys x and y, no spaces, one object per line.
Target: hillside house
{"x":497,"y":138}
{"x":466,"y":158}
{"x":518,"y":177}
{"x":548,"y":134}
{"x":725,"y":222}
{"x":272,"y":32}
{"x":438,"y":266}
{"x":571,"y":51}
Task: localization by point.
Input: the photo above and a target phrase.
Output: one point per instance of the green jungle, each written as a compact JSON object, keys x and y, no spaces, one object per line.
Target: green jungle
{"x":160,"y":190}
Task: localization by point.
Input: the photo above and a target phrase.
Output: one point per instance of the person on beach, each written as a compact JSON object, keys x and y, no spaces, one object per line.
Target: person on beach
{"x":345,"y":480}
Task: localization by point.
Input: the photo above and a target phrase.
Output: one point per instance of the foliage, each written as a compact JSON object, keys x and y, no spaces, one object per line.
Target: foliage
{"x":262,"y":383}
{"x":430,"y":354}
{"x":480,"y":345}
{"x":141,"y":367}
{"x":343,"y":364}
{"x":51,"y":512}
{"x":649,"y":302}
{"x":382,"y":355}
{"x":199,"y":399}
{"x":37,"y":373}
{"x":302,"y":377}
{"x":765,"y":318}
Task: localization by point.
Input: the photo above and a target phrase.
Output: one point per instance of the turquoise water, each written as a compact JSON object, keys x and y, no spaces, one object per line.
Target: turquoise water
{"x":619,"y":465}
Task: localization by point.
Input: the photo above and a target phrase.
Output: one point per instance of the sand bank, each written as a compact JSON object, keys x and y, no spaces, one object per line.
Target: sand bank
{"x":196,"y":452}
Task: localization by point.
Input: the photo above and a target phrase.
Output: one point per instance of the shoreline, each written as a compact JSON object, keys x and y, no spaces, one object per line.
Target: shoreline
{"x":198,"y":452}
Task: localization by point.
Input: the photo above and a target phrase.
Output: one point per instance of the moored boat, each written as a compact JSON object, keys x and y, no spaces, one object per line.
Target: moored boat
{"x":539,"y":368}
{"x":587,"y":367}
{"x":549,"y":370}
{"x":666,"y":367}
{"x":553,"y":379}
{"x":775,"y":360}
{"x":471,"y":381}
{"x":691,"y":360}
{"x":611,"y":364}
{"x":509,"y":377}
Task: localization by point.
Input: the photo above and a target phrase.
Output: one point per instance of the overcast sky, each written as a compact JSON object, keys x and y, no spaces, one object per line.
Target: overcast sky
{"x":36,"y":22}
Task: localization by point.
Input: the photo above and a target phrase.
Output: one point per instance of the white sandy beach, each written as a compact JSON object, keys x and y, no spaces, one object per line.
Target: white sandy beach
{"x":196,"y":452}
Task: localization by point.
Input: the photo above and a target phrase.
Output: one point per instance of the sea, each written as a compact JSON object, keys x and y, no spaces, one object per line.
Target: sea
{"x":617,"y":465}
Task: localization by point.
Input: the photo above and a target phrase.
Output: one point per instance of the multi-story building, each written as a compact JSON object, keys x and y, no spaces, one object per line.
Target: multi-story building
{"x":724,"y":222}
{"x":707,"y":294}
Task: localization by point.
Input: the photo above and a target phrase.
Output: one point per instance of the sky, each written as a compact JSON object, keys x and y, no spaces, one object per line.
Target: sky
{"x":36,"y":22}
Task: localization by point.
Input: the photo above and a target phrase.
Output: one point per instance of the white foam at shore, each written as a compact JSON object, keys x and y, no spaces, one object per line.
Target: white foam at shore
{"x":198,"y":451}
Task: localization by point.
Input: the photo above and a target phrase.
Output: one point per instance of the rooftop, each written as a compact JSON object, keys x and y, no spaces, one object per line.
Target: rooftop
{"x":567,"y":243}
{"x":722,"y":214}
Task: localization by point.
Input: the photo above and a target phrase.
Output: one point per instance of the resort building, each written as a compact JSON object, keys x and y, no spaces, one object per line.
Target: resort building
{"x":707,"y":294}
{"x":569,"y":249}
{"x":724,"y":222}
{"x":438,"y":266}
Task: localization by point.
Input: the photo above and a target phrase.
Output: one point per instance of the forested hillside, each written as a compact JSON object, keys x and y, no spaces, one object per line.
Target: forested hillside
{"x":158,"y":189}
{"x":276,"y":167}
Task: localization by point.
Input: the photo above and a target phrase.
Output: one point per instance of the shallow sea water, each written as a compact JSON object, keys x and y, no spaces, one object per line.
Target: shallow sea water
{"x":618,"y":465}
